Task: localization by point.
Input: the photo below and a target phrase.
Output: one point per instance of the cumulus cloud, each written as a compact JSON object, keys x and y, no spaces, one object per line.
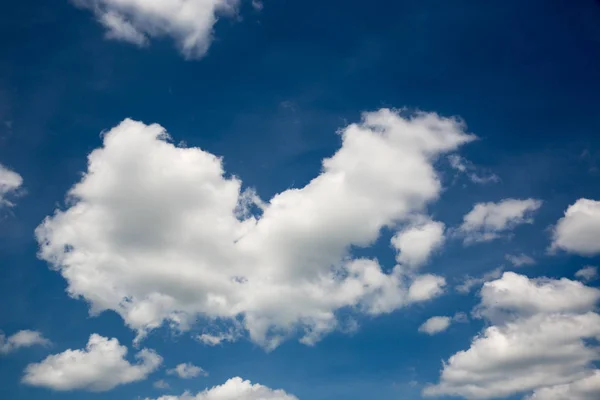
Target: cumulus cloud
{"x":188,"y":22}
{"x":587,"y":274}
{"x":187,"y":371}
{"x":538,"y":342}
{"x":99,"y":367}
{"x":159,"y":234}
{"x":161,"y":384}
{"x":466,"y":167}
{"x":578,"y":231}
{"x":519,"y":260}
{"x":488,"y":221}
{"x":416,"y":242}
{"x":10,"y":182}
{"x":587,"y":388}
{"x":235,"y":389}
{"x":21,"y":339}
{"x":435,"y":325}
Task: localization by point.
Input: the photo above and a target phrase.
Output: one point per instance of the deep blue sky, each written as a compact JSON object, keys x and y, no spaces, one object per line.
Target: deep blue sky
{"x":269,"y":97}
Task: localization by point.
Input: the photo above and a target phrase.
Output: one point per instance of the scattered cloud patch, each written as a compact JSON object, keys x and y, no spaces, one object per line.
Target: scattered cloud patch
{"x":519,"y":260}
{"x":470,"y":282}
{"x":188,"y":22}
{"x":467,"y":168}
{"x":154,"y":231}
{"x":99,"y":367}
{"x":21,"y":339}
{"x":235,"y":389}
{"x":537,"y":341}
{"x":10,"y":182}
{"x":578,"y":231}
{"x":489,"y":221}
{"x":435,"y":325}
{"x":587,"y":274}
{"x":161,"y":384}
{"x":187,"y":371}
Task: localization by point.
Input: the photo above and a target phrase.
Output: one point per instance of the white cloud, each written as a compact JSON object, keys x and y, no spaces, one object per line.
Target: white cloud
{"x":587,"y":274}
{"x":159,"y":234}
{"x":235,"y":389}
{"x":187,"y":371}
{"x":161,"y":384}
{"x":519,"y":260}
{"x":470,"y":282}
{"x":21,"y":339}
{"x":416,"y":242}
{"x":466,"y":167}
{"x":488,"y":221}
{"x":435,"y":325}
{"x":537,"y":341}
{"x":578,"y":231}
{"x":188,"y":22}
{"x":587,"y":388}
{"x":10,"y":182}
{"x":99,"y":367}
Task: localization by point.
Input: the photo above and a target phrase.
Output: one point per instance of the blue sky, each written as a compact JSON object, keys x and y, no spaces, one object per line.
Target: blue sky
{"x":271,"y":94}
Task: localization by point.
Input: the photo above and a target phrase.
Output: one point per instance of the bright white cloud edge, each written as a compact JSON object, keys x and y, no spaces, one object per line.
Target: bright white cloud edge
{"x":578,"y":231}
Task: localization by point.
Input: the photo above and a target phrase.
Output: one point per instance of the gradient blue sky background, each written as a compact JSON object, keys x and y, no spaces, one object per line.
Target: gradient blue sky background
{"x":268,"y":97}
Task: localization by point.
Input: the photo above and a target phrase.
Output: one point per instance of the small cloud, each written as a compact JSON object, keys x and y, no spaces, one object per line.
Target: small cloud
{"x":161,"y":384}
{"x":187,"y":371}
{"x":470,"y":282}
{"x":467,"y":168}
{"x":587,"y":274}
{"x":519,"y":260}
{"x":20,"y":340}
{"x":435,"y":325}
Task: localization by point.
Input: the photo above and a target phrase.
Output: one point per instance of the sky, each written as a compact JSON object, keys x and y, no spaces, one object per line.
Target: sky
{"x":284,"y":199}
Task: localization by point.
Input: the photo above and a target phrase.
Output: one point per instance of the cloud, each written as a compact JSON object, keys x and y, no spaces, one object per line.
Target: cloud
{"x":470,"y":282}
{"x":235,"y":389}
{"x":466,"y":167}
{"x":519,"y":260}
{"x":10,"y":182}
{"x":188,"y":22}
{"x":161,"y":384}
{"x":587,"y":388}
{"x":99,"y":367}
{"x":21,"y":339}
{"x":537,"y":341}
{"x":587,"y":274}
{"x":417,"y":242}
{"x":435,"y":325}
{"x":160,"y":234}
{"x":187,"y":371}
{"x":488,"y":221}
{"x":578,"y":231}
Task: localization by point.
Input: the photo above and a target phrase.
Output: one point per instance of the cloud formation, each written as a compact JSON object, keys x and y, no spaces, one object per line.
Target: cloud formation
{"x":416,"y":242}
{"x":188,"y":22}
{"x":435,"y":325}
{"x":537,"y":342}
{"x":159,"y":233}
{"x":187,"y":371}
{"x":235,"y":389}
{"x":488,"y":221}
{"x":578,"y":231}
{"x":99,"y":367}
{"x":10,"y":182}
{"x":587,"y":274}
{"x":20,"y":340}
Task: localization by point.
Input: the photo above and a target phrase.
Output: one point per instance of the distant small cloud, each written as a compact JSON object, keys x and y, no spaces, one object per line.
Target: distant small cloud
{"x":470,"y":282}
{"x":20,"y":340}
{"x":161,"y":384}
{"x":187,"y":371}
{"x":519,"y":260}
{"x":587,"y":274}
{"x":467,"y":168}
{"x":435,"y":325}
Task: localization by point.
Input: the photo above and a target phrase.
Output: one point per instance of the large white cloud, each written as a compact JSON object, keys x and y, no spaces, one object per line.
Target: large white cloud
{"x":21,"y":339}
{"x":159,"y":234}
{"x":578,"y":231}
{"x":235,"y":389}
{"x":99,"y":367}
{"x":488,"y":221}
{"x":188,"y":22}
{"x":10,"y":181}
{"x":538,"y":341}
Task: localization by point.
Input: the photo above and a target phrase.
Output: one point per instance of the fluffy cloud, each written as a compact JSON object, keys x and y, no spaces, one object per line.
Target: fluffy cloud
{"x":519,"y":260}
{"x":487,"y":221}
{"x":587,"y":388}
{"x":578,"y":231}
{"x":159,"y":233}
{"x":538,"y":342}
{"x":187,"y":371}
{"x":435,"y":325}
{"x":587,"y":274}
{"x":235,"y":389}
{"x":416,"y":242}
{"x":21,"y":339}
{"x":99,"y":367}
{"x":188,"y":22}
{"x":10,"y":181}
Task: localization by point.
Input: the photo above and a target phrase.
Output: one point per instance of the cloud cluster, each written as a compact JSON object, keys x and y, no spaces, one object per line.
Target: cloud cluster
{"x":488,"y":221}
{"x":537,"y":343}
{"x":99,"y":367}
{"x":21,"y":339}
{"x":188,"y":22}
{"x":235,"y":389}
{"x":10,"y":182}
{"x":578,"y":231}
{"x":159,"y":233}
